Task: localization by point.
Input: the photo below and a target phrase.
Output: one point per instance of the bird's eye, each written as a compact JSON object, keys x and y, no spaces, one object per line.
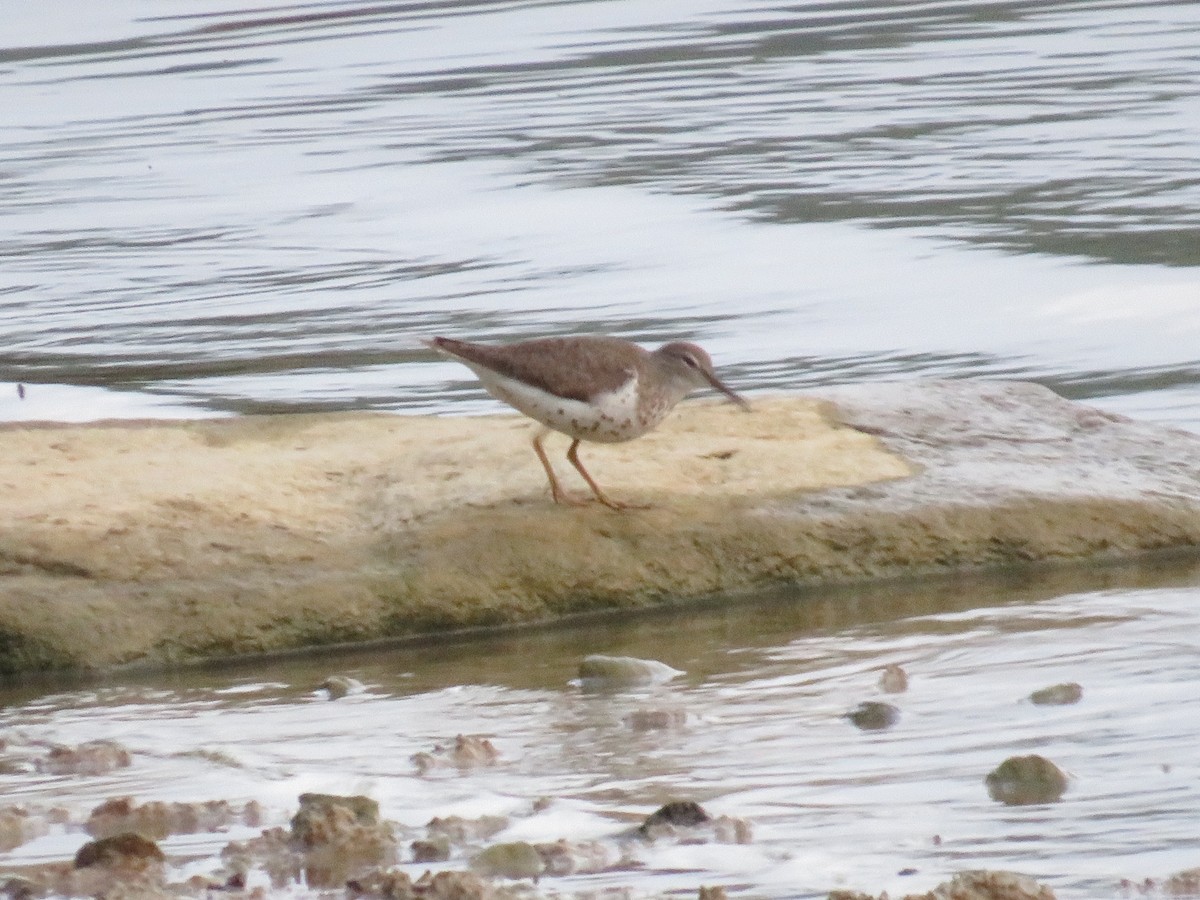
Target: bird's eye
{"x":691,"y":360}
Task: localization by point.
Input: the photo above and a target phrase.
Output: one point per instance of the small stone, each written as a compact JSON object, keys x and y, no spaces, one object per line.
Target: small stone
{"x":112,"y":817}
{"x":872,"y":715}
{"x":452,"y":886}
{"x":156,"y":819}
{"x":563,"y":857}
{"x":1058,"y":694}
{"x":18,"y":825}
{"x":656,"y":719}
{"x":1183,"y":884}
{"x":894,"y":680}
{"x":339,"y":686}
{"x":732,"y":830}
{"x":125,"y":851}
{"x":320,"y":816}
{"x":458,"y":830}
{"x":473,"y":750}
{"x":435,"y":849}
{"x":1024,"y":780}
{"x":90,"y":758}
{"x":974,"y":885}
{"x":469,"y":751}
{"x":514,"y":859}
{"x":600,"y":672}
{"x":392,"y":884}
{"x":991,"y":885}
{"x":272,"y":851}
{"x":332,"y":839}
{"x":14,"y":887}
{"x":673,"y":815}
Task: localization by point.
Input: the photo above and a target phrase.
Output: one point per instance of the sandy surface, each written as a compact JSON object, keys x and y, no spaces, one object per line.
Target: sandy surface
{"x":160,"y":542}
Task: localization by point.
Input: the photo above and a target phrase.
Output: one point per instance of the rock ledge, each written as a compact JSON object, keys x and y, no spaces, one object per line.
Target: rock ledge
{"x":164,"y":542}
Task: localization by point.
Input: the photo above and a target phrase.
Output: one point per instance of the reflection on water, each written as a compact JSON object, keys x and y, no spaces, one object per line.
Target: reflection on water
{"x":221,"y":209}
{"x":764,"y":693}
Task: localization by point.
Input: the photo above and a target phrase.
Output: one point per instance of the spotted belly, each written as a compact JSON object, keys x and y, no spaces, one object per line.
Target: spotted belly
{"x":609,"y":419}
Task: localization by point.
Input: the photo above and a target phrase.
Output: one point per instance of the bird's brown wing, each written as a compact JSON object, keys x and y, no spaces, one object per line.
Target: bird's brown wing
{"x":576,"y":368}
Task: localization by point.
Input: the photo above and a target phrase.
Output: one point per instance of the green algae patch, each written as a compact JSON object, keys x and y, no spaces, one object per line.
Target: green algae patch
{"x":165,"y":542}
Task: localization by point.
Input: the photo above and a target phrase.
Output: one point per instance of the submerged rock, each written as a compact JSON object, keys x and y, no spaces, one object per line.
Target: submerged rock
{"x":90,"y":758}
{"x":273,"y":851}
{"x":469,"y":751}
{"x":656,"y":719}
{"x":324,"y":818}
{"x":123,"y":851}
{"x":688,"y":819}
{"x":332,"y":839}
{"x":514,"y":859}
{"x":458,"y":830}
{"x":436,"y":849}
{"x":156,"y":820}
{"x":563,"y":857}
{"x":598,"y":672}
{"x":1024,"y":780}
{"x":18,"y":825}
{"x":389,"y":884}
{"x":17,"y":887}
{"x":732,"y":830}
{"x":338,"y":686}
{"x":990,"y":885}
{"x":974,"y":885}
{"x":394,"y":884}
{"x":1183,"y":884}
{"x":894,"y":680}
{"x":872,"y":715}
{"x":1058,"y":694}
{"x":673,"y":815}
{"x":122,"y":866}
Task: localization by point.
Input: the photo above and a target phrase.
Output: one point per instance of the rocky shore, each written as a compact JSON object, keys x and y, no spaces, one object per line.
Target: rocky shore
{"x":155,"y":543}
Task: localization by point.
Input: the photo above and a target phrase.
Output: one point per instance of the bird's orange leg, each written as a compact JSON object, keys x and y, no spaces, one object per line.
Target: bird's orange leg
{"x":573,"y":456}
{"x":556,"y":491}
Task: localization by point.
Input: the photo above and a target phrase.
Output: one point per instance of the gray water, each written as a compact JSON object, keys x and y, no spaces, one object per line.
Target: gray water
{"x":762,"y":698}
{"x":211,"y":210}
{"x":205,"y":209}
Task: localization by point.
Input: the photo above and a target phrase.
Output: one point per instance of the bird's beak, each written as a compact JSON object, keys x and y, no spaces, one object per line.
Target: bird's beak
{"x":720,"y":386}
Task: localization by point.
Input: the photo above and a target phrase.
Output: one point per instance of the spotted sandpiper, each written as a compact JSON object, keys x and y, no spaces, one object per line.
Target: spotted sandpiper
{"x":589,"y":388}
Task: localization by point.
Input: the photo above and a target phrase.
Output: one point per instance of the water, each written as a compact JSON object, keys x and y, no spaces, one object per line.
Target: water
{"x":207,"y":209}
{"x":764,"y":692}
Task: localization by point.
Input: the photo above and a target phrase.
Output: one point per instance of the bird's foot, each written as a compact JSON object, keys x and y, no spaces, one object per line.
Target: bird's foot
{"x":569,"y":499}
{"x":620,"y":506}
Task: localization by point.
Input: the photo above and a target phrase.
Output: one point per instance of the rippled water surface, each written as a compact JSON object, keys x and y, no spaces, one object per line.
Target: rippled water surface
{"x":207,"y":207}
{"x":763,"y":693}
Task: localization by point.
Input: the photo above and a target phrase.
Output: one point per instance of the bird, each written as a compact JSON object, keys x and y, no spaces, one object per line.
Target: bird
{"x":588,"y":387}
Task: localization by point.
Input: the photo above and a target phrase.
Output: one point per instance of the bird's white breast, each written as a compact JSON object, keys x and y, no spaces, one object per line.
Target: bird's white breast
{"x":610,"y":417}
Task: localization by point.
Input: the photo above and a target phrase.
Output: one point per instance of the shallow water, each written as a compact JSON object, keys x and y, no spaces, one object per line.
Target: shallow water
{"x":764,"y":689}
{"x":208,"y":209}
